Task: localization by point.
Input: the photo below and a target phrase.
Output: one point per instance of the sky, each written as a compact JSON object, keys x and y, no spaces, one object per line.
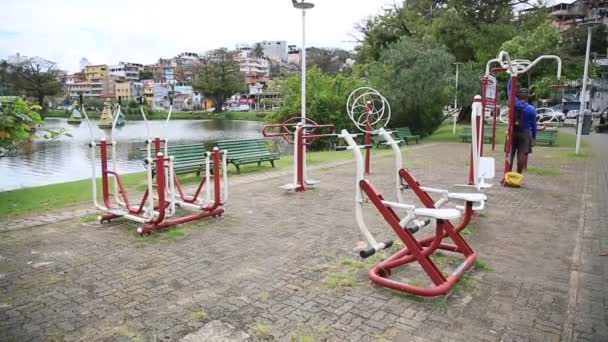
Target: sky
{"x":141,"y":31}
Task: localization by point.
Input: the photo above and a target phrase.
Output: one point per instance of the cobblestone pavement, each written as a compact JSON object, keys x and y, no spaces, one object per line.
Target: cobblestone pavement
{"x":281,"y":266}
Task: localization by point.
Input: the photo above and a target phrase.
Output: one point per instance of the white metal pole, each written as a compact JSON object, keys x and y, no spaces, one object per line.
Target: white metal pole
{"x":303,"y":108}
{"x":579,"y":129}
{"x":454,"y":118}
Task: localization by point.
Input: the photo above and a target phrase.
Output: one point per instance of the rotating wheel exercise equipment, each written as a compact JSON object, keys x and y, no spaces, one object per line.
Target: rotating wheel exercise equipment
{"x":405,"y":227}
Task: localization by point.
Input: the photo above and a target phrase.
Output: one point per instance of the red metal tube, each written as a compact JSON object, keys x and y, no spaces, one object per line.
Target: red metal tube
{"x":509,"y":140}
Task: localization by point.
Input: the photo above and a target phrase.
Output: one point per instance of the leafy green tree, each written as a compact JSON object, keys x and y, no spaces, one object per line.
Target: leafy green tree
{"x":574,"y":41}
{"x":220,"y":76}
{"x":18,"y":121}
{"x":326,"y":97}
{"x":38,"y":78}
{"x":412,"y":76}
{"x":529,"y":45}
{"x":330,"y":61}
{"x":146,"y":75}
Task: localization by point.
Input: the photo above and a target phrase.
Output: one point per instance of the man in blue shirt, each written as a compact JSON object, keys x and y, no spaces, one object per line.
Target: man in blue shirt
{"x":524,"y":130}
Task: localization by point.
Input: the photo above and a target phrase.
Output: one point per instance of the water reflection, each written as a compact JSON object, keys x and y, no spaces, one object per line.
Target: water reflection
{"x":68,"y":158}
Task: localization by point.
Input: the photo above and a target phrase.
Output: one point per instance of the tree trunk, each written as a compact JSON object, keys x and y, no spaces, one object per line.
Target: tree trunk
{"x":218,"y":106}
{"x":41,"y":103}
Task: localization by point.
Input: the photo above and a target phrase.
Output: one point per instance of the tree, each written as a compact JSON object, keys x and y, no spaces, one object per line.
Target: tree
{"x":38,"y":77}
{"x":146,"y":75}
{"x":257,"y":51}
{"x":220,"y":76}
{"x":574,"y":40}
{"x":330,"y":61}
{"x":18,"y":122}
{"x":326,"y":97}
{"x":6,"y":78}
{"x":412,"y":75}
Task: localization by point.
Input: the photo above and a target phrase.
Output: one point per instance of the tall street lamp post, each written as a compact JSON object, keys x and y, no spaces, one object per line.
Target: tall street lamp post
{"x":303,"y":5}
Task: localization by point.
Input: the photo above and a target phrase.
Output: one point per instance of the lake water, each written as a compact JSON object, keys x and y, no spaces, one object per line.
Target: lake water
{"x":42,"y":162}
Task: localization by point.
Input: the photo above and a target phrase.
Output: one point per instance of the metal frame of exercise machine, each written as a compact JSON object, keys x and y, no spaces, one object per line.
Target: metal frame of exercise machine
{"x":516,"y":67}
{"x":300,"y":135}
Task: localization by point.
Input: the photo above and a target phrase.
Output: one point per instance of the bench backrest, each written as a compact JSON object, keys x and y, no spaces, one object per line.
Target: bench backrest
{"x":404,"y":130}
{"x":179,"y":152}
{"x":239,"y":147}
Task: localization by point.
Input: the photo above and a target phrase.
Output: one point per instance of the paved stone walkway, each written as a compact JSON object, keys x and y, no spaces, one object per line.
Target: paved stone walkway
{"x":269,"y":268}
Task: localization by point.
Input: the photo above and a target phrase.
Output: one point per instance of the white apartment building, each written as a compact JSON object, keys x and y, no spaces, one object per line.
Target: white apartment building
{"x":276,"y":49}
{"x":126,"y":71}
{"x":255,"y":67}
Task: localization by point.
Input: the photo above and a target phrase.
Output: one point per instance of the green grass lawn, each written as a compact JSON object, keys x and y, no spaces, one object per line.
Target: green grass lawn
{"x":26,"y":200}
{"x":444,"y":134}
{"x":251,"y":116}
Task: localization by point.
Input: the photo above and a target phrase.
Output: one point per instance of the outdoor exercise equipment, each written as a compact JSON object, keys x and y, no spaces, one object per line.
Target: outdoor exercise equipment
{"x":300,"y":133}
{"x":480,"y":168}
{"x":173,"y":188}
{"x":154,"y":212}
{"x":366,"y":107}
{"x":407,"y":225}
{"x":516,"y":67}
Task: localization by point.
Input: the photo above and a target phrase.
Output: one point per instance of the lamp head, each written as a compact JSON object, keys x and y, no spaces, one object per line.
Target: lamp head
{"x":303,"y":5}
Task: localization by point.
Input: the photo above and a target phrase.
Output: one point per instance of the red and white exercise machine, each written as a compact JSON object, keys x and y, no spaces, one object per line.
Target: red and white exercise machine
{"x":157,"y":206}
{"x":195,"y":202}
{"x":412,"y":220}
{"x":367,"y":108}
{"x":516,"y":67}
{"x":299,"y":132}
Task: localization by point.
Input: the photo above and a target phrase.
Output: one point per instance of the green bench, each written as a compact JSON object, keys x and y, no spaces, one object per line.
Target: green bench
{"x":546,"y":136}
{"x":247,"y":151}
{"x":406,"y":135}
{"x":465,"y":134}
{"x":186,"y":158}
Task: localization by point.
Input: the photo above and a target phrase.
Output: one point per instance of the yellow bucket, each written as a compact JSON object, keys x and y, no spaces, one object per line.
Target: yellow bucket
{"x":514,"y":179}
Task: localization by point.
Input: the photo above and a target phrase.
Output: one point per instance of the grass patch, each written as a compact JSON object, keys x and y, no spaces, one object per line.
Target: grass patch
{"x":468,"y":283}
{"x":334,"y":280}
{"x":173,"y":234}
{"x":410,"y":296}
{"x":199,"y":316}
{"x":482,"y":265}
{"x":56,"y":337}
{"x":21,"y":201}
{"x":542,"y":172}
{"x":89,"y":218}
{"x":440,"y":259}
{"x":352,"y":265}
{"x":444,"y":134}
{"x":573,"y":156}
{"x":441,"y":303}
{"x":131,"y":336}
{"x":467,"y":231}
{"x":262,"y":330}
{"x":296,"y":337}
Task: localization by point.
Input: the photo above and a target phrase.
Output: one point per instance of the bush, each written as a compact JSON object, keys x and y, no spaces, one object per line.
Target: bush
{"x":412,"y":76}
{"x":325,"y":100}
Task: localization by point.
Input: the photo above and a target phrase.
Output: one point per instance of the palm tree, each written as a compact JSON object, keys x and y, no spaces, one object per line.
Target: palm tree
{"x":258,"y":50}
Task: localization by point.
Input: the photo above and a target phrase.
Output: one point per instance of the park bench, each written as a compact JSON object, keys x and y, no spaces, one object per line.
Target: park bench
{"x":247,"y":151}
{"x":546,"y":137}
{"x":465,"y":134}
{"x":406,"y":135}
{"x":186,"y":158}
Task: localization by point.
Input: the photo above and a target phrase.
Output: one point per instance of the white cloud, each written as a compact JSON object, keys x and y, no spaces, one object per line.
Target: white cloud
{"x":143,"y":31}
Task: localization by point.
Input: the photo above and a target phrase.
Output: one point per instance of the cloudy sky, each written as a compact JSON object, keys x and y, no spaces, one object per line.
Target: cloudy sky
{"x":141,"y":31}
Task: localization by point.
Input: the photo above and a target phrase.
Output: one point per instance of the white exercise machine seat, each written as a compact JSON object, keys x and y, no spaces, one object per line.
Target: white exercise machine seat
{"x":439,"y":214}
{"x":468,"y":197}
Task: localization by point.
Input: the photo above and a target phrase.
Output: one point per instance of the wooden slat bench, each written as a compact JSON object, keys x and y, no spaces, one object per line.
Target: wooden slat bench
{"x":406,"y":135}
{"x":186,"y":158}
{"x":546,"y":137}
{"x":465,"y":134}
{"x":247,"y":151}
